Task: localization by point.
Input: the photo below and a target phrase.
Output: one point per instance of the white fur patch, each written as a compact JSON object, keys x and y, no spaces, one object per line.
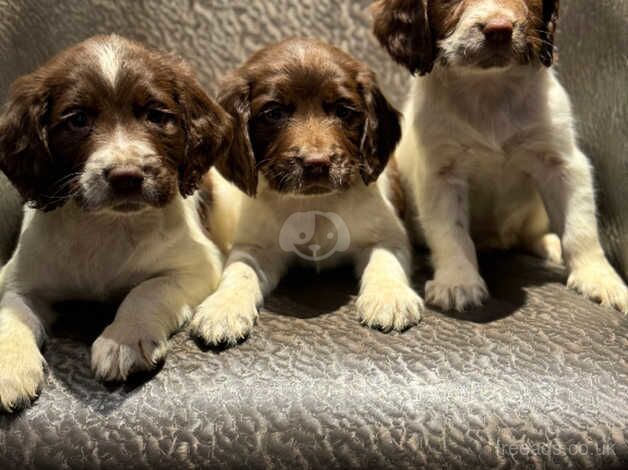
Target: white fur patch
{"x":109,"y":61}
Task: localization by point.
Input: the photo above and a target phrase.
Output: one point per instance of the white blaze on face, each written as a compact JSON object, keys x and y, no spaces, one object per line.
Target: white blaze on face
{"x":109,"y":60}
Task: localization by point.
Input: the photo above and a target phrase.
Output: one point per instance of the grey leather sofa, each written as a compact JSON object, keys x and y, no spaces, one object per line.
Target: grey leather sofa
{"x":536,"y":379}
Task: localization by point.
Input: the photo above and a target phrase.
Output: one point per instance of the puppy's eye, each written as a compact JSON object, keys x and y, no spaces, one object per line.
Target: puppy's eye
{"x":159,"y":117}
{"x":275,"y":112}
{"x":78,"y":121}
{"x":343,"y":110}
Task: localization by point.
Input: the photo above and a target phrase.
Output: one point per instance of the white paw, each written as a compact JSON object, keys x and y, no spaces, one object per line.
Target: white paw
{"x":225,"y":318}
{"x":21,"y":373}
{"x":392,"y":307}
{"x":599,"y":282}
{"x":456,"y":292}
{"x":122,"y":350}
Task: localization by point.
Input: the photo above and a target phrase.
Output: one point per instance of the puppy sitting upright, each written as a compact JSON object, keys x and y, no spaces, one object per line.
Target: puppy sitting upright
{"x":314,"y":131}
{"x":489,"y":146}
{"x":104,"y":142}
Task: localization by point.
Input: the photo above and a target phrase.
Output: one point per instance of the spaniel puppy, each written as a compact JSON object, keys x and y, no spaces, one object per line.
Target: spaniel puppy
{"x":489,"y":150}
{"x":104,"y":142}
{"x":313,"y":134}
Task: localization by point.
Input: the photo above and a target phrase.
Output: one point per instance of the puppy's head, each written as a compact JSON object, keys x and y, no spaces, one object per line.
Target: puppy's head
{"x":309,"y":118}
{"x":481,"y":34}
{"x":111,"y":125}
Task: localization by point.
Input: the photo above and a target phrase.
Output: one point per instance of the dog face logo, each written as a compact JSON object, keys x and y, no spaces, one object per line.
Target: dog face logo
{"x":314,"y":235}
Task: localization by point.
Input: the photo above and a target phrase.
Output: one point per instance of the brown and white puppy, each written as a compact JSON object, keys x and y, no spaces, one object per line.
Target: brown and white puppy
{"x":314,"y":133}
{"x":104,"y":142}
{"x":489,"y":150}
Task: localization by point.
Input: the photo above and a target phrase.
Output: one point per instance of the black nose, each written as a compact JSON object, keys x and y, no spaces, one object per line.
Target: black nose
{"x":124,"y":179}
{"x":498,"y":30}
{"x":316,"y":163}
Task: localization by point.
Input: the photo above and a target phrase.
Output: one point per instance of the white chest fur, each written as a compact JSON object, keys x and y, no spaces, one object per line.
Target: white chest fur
{"x":480,"y":112}
{"x":70,"y":254}
{"x":318,"y":230}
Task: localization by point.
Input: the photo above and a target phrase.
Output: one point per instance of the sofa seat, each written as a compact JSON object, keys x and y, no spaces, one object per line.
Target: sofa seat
{"x":536,"y":379}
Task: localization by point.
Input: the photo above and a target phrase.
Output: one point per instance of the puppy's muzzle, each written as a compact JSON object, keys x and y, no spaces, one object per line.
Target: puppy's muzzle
{"x":498,"y":31}
{"x":128,"y":185}
{"x":496,"y":49}
{"x":125,"y":180}
{"x":316,"y":165}
{"x":316,"y":169}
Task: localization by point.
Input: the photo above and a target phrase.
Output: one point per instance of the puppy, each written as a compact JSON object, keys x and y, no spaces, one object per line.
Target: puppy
{"x":104,"y":142}
{"x":489,"y":149}
{"x":313,"y":134}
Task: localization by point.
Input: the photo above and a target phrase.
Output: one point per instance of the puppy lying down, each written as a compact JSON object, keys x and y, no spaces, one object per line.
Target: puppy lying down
{"x":313,"y":134}
{"x":104,"y":142}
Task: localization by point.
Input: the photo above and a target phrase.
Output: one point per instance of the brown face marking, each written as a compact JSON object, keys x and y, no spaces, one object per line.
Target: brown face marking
{"x":140,"y":105}
{"x":114,"y":100}
{"x":306,"y":125}
{"x":489,"y":33}
{"x":419,"y":32}
{"x":312,"y":118}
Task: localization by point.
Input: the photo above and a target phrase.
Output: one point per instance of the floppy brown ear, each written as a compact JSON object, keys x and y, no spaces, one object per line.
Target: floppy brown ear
{"x":24,"y":155}
{"x":239,"y":166}
{"x":403,"y":28}
{"x":209,"y":131}
{"x":382,"y":130}
{"x":550,"y":22}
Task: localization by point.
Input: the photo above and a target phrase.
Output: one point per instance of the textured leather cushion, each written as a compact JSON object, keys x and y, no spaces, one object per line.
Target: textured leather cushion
{"x":538,"y":378}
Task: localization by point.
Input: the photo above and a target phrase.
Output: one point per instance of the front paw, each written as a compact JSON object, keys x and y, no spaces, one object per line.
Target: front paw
{"x":224,"y":319}
{"x":122,"y":350}
{"x":21,"y":374}
{"x":599,"y":282}
{"x":393,"y":307}
{"x":456,"y":292}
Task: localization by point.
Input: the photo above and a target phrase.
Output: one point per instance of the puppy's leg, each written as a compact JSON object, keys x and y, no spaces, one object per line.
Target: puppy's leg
{"x":22,"y":333}
{"x":444,"y":216}
{"x":229,"y":314}
{"x":386,"y":299}
{"x":546,"y":247}
{"x":566,"y":185}
{"x":534,"y":231}
{"x":137,"y":340}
